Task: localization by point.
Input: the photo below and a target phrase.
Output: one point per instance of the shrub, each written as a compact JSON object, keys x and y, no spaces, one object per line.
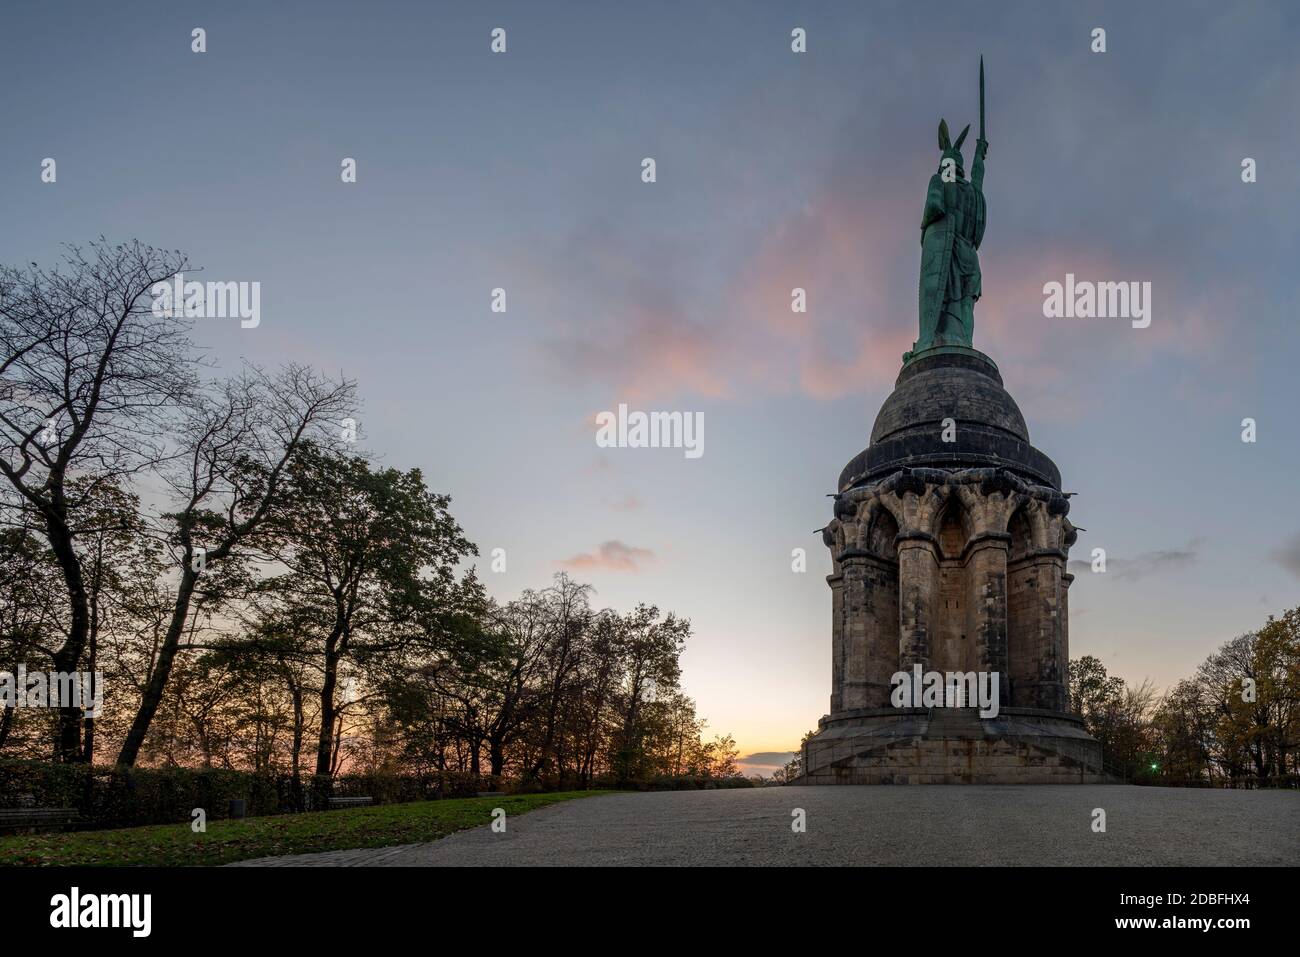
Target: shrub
{"x":131,"y":797}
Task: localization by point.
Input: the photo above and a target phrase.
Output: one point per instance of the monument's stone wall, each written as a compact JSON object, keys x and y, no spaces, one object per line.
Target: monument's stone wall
{"x":949,"y":545}
{"x":944,"y":593}
{"x":864,"y":630}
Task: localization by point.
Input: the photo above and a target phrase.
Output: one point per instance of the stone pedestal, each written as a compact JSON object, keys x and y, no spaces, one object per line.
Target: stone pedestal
{"x":951,"y":746}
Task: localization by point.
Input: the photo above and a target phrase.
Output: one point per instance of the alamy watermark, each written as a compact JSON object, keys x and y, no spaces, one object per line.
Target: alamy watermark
{"x":953,"y":689}
{"x":53,"y":689}
{"x":75,"y":909}
{"x":651,"y":430}
{"x":208,"y":300}
{"x":1084,"y":299}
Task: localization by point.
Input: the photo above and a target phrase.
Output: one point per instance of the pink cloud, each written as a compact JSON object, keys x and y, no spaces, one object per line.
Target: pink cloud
{"x":1053,"y":365}
{"x":856,"y":253}
{"x":610,"y":556}
{"x":653,"y":350}
{"x":741,"y":338}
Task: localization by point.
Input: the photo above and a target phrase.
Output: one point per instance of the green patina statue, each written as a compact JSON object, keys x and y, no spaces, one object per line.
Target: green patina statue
{"x":952,"y":228}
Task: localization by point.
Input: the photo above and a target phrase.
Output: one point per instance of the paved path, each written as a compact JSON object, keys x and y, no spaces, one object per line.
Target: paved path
{"x":864,"y":825}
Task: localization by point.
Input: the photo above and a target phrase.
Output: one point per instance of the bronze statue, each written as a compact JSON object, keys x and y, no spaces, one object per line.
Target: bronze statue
{"x":952,"y":227}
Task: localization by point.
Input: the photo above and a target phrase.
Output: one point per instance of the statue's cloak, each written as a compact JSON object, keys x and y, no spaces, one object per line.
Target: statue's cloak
{"x":948,"y":207}
{"x":937,"y":238}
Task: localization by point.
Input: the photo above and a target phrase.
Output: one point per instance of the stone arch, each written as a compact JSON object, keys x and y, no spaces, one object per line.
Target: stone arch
{"x":884,"y":530}
{"x":952,"y":527}
{"x":1021,"y":532}
{"x":954,"y":640}
{"x":1038,"y":521}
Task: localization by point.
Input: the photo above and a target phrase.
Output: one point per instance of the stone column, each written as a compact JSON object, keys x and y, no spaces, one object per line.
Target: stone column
{"x":836,"y":582}
{"x":1039,"y":637}
{"x":918,"y":586}
{"x":1050,"y":691}
{"x":855,"y":640}
{"x":986,"y":570}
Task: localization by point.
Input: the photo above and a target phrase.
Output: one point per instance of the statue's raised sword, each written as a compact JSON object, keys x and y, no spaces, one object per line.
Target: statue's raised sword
{"x":982,"y":136}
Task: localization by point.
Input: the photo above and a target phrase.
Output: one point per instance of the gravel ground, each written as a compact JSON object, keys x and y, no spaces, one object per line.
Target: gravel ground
{"x":968,"y":824}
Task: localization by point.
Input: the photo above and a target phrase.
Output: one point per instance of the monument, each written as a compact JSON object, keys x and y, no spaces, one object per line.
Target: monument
{"x":949,"y":545}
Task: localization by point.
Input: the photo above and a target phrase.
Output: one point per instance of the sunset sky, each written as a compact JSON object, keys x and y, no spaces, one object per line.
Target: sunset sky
{"x":775,"y":170}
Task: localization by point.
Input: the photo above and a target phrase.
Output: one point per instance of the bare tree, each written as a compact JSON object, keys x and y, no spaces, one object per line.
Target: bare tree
{"x":89,"y":377}
{"x":236,"y":447}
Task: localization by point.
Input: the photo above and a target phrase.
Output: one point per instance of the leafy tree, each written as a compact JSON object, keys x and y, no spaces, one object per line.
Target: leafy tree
{"x":1183,"y":727}
{"x":1257,"y":730}
{"x":371,"y":556}
{"x":1116,"y":714}
{"x":650,"y":649}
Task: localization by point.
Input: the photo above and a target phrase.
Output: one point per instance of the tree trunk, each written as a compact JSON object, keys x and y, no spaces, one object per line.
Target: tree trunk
{"x":162,"y":669}
{"x":337,"y":745}
{"x":89,"y":749}
{"x":67,"y":744}
{"x":328,"y":712}
{"x":496,"y":756}
{"x":297,"y":728}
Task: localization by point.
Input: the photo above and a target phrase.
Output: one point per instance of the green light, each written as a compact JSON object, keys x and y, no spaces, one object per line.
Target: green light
{"x":1155,"y":767}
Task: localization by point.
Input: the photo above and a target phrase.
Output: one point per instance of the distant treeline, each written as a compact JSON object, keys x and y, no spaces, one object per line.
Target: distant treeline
{"x":259,"y":596}
{"x":1235,"y":723}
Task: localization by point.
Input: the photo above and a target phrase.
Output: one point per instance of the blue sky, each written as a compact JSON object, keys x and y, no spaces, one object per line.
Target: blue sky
{"x":775,"y":170}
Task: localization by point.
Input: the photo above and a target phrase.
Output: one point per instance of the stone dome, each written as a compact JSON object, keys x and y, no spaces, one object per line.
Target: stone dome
{"x":961,"y":384}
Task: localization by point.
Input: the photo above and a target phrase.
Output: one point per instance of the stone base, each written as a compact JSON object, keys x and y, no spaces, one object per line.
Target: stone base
{"x":952,"y":746}
{"x":942,"y":347}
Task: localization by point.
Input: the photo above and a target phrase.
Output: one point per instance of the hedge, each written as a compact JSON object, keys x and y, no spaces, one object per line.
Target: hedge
{"x":130,"y":797}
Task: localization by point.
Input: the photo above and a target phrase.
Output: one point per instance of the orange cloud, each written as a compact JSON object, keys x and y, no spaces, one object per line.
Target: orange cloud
{"x":1052,"y":365}
{"x":611,"y":556}
{"x":856,"y":253}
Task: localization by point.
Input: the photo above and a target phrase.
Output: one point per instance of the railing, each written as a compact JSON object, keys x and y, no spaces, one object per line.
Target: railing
{"x":1114,"y":769}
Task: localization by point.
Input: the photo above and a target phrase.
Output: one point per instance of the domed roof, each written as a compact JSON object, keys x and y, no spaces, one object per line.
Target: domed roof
{"x":965,"y":387}
{"x":961,"y":384}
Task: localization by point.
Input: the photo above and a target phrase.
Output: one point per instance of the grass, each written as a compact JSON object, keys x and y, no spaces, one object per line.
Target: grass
{"x":175,"y":845}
